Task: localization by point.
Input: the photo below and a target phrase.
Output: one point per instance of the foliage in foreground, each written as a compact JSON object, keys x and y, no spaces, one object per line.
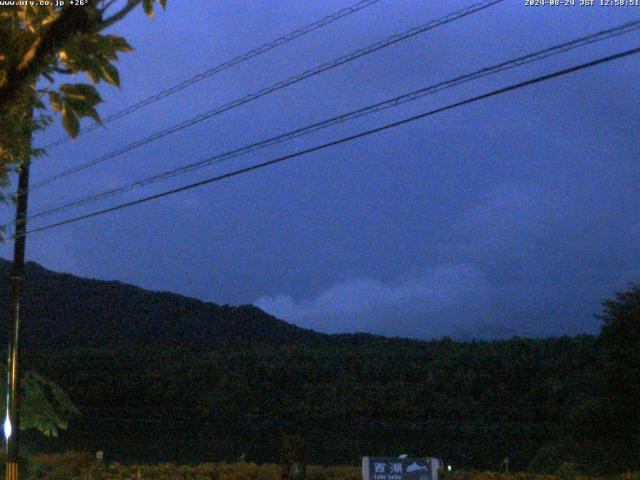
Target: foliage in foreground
{"x":566,"y":472}
{"x":40,"y":42}
{"x":81,"y":466}
{"x":46,"y":407}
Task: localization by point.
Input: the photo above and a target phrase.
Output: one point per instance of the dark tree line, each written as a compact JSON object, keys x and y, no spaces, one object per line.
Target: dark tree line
{"x":183,"y":381}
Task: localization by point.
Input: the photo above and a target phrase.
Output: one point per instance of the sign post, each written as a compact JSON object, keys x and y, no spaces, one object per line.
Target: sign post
{"x":394,"y":468}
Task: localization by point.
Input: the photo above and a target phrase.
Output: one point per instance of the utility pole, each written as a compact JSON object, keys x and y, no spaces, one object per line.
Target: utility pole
{"x":12,"y":421}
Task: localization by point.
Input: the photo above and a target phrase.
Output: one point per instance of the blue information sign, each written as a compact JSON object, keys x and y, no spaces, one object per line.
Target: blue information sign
{"x":395,"y":468}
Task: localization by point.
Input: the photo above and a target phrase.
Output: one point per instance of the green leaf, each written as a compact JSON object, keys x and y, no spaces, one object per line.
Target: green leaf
{"x":110,"y":74}
{"x":37,"y":104}
{"x":93,"y":114}
{"x":94,"y":73}
{"x":72,"y":53}
{"x":56,"y":101}
{"x":81,"y":91}
{"x":70,"y":122}
{"x":120,"y":44}
{"x":147,"y":6}
{"x":82,"y":109}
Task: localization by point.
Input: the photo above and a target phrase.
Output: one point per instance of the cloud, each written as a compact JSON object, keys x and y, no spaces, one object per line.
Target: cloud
{"x":550,"y":251}
{"x":428,"y":305}
{"x":516,"y":262}
{"x":509,"y":213}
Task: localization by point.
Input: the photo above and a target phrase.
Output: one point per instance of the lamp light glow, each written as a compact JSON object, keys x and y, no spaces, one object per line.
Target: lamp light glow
{"x":7,"y":427}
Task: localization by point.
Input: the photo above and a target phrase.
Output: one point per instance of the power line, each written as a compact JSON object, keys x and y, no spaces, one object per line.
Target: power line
{"x":345,"y":12}
{"x":273,"y":88}
{"x":393,"y":102}
{"x":350,"y":138}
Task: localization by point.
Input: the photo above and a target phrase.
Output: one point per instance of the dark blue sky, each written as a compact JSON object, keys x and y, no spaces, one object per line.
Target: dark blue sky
{"x":514,"y":216}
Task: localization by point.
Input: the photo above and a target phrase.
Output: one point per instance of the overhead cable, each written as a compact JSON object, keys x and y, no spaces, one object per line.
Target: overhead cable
{"x":272,"y":88}
{"x":390,"y":103}
{"x":340,"y":141}
{"x":278,"y":42}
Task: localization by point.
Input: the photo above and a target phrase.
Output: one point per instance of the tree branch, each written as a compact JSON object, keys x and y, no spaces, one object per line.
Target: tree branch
{"x":70,"y":21}
{"x":116,"y":17}
{"x":108,"y":5}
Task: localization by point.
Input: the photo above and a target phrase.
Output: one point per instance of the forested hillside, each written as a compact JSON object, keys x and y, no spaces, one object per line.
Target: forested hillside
{"x":160,"y":377}
{"x":471,"y":403}
{"x":63,"y":311}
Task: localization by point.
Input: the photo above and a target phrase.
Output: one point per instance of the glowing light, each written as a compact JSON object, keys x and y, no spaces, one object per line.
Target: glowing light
{"x":7,"y":427}
{"x":448,"y":468}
